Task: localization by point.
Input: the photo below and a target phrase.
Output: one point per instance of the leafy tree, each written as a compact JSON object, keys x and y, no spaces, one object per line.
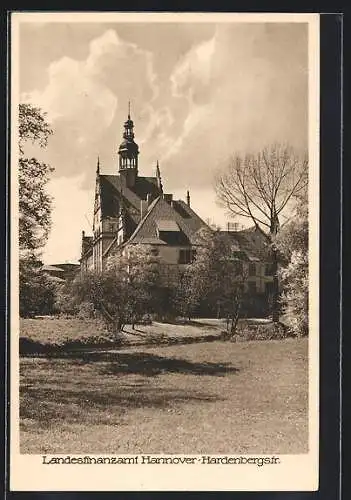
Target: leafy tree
{"x":36,"y":290}
{"x":126,"y":289}
{"x":293,"y":243}
{"x":34,"y":202}
{"x":262,"y":187}
{"x":215,"y":278}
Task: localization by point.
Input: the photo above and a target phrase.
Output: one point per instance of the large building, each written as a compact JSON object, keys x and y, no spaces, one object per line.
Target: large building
{"x":249,"y":247}
{"x":133,"y":209}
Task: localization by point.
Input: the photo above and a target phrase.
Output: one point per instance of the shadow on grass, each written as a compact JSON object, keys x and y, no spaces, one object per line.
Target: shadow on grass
{"x":89,"y":389}
{"x":148,"y":365}
{"x":32,"y":347}
{"x":166,"y":340}
{"x":99,"y":405}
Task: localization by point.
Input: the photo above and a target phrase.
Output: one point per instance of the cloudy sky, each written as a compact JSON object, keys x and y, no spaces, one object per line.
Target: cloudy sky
{"x":199,"y":92}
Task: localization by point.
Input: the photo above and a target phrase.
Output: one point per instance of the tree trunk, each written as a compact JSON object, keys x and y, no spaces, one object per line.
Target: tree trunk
{"x":275,"y":285}
{"x":114,"y":322}
{"x":275,"y":288}
{"x":218,"y":310}
{"x":235,"y":317}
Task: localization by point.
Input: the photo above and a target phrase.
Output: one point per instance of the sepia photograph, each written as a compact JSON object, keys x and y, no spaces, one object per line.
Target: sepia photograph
{"x":166,"y":240}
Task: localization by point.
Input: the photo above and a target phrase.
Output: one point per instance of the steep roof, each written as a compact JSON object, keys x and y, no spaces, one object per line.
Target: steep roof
{"x":250,"y":243}
{"x":114,"y":190}
{"x":153,"y":229}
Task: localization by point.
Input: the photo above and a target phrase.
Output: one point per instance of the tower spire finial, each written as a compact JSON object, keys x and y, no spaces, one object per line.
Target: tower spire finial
{"x":158,"y":177}
{"x":98,"y":165}
{"x":128,"y":110}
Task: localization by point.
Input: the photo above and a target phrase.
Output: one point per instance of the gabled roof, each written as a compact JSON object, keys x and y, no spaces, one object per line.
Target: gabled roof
{"x":250,"y":242}
{"x":114,"y":190}
{"x":188,"y":222}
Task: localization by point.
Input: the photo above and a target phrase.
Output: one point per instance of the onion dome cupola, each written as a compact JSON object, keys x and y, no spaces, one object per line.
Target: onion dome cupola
{"x":128,"y":153}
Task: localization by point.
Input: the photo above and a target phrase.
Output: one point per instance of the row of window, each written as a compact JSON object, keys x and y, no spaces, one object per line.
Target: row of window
{"x":253,"y":271}
{"x":187,"y":256}
{"x":268,"y":271}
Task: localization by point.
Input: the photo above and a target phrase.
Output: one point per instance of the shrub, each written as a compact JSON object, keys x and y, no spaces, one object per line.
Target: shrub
{"x":295,"y":296}
{"x":293,"y":244}
{"x":36,"y":289}
{"x":85,"y":310}
{"x":249,"y":330}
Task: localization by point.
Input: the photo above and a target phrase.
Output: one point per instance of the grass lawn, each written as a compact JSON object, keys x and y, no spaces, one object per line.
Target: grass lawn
{"x":210,"y":397}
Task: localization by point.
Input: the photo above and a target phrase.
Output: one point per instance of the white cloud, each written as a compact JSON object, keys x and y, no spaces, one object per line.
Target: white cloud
{"x":82,"y":98}
{"x":122,"y":66}
{"x":194,"y":70}
{"x":72,"y":94}
{"x":70,"y":215}
{"x":191,"y":80}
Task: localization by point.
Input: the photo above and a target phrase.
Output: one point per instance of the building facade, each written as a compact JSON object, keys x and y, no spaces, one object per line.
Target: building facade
{"x":133,"y":209}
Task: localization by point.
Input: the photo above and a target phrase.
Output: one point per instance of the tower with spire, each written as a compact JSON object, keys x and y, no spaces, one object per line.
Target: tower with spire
{"x":131,"y":208}
{"x":128,"y":154}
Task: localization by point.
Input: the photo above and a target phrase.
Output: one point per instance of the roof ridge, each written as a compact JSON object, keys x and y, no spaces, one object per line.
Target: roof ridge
{"x":192,"y":211}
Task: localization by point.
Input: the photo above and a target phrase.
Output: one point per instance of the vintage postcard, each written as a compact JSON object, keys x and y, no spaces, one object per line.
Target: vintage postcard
{"x":164,"y":252}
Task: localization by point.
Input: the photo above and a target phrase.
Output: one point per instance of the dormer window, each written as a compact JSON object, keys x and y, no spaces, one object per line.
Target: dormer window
{"x":167,"y":226}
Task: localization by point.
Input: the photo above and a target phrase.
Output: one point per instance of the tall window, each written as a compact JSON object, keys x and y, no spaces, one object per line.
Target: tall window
{"x":184,"y":256}
{"x":252,"y":269}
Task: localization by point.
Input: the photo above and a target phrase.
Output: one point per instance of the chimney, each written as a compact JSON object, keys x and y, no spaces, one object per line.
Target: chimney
{"x":83,"y":243}
{"x":188,"y":198}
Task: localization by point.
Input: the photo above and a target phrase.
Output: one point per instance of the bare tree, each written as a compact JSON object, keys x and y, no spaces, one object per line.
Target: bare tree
{"x":263,"y":187}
